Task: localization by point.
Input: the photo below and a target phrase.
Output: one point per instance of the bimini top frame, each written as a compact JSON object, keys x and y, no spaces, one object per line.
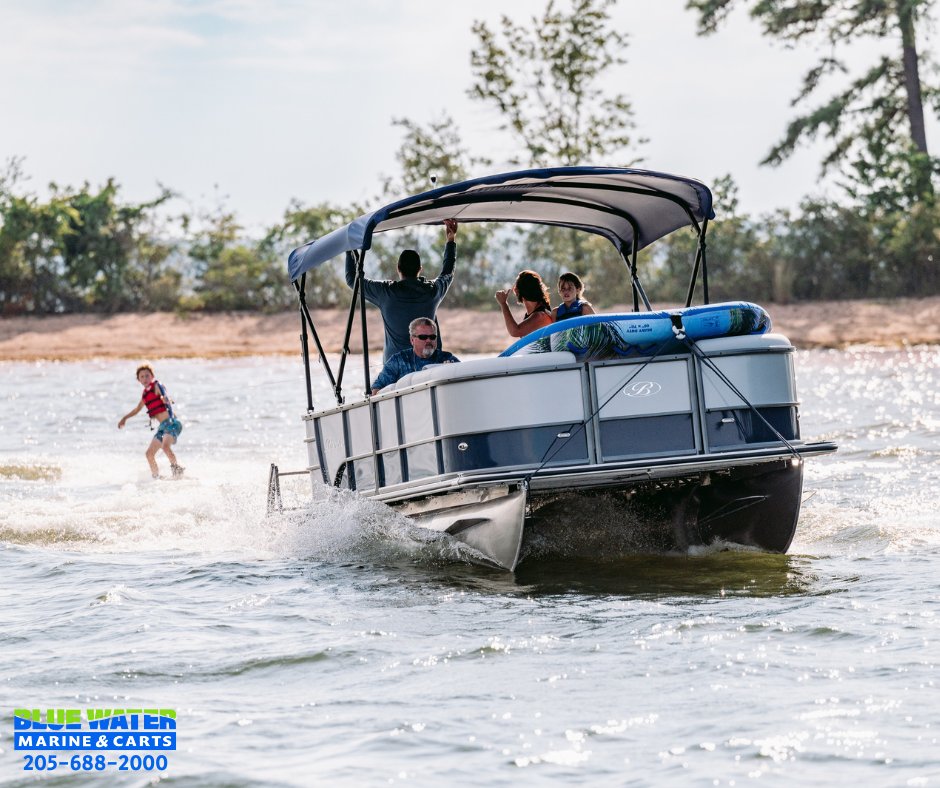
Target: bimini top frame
{"x":630,"y":207}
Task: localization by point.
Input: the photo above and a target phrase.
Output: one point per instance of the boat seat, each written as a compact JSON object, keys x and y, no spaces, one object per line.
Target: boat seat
{"x":483,"y":366}
{"x":747,"y":342}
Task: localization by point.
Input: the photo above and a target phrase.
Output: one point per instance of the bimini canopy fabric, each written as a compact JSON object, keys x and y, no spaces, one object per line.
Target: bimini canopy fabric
{"x":620,"y":204}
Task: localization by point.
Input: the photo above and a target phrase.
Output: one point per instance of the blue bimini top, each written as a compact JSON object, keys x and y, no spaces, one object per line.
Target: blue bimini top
{"x":630,"y":207}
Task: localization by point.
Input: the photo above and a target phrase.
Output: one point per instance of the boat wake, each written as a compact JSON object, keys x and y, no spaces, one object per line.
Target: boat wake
{"x":111,"y":506}
{"x":217,"y":508}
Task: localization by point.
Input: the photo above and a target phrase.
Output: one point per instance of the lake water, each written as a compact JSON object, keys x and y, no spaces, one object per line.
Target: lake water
{"x":337,"y":646}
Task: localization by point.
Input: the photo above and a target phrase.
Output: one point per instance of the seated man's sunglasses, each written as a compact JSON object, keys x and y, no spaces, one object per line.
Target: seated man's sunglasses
{"x":424,"y":337}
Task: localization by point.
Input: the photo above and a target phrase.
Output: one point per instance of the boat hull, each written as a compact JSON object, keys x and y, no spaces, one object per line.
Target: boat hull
{"x":489,"y":519}
{"x":681,"y":449}
{"x":752,"y":506}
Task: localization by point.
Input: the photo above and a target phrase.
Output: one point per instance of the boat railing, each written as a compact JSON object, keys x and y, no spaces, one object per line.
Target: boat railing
{"x":275,"y":500}
{"x":548,"y":409}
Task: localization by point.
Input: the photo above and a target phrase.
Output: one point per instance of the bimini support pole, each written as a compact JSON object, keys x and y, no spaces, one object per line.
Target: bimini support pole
{"x":365,"y":328}
{"x":307,"y":322}
{"x":357,"y":286}
{"x":701,"y":243}
{"x":306,"y":351}
{"x":699,"y":262}
{"x":638,"y":291}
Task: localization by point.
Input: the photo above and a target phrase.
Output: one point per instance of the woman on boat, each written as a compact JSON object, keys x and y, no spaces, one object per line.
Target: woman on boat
{"x":571,"y":288}
{"x":532,"y":293}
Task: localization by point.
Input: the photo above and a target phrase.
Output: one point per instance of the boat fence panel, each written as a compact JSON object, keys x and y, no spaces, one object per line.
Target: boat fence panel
{"x":735,"y":427}
{"x":417,"y":416}
{"x":360,"y":430}
{"x":510,"y":402}
{"x":764,"y":379}
{"x":364,"y":471}
{"x":388,"y":424}
{"x":660,"y":387}
{"x":389,"y":441}
{"x":360,"y":446}
{"x":541,"y":446}
{"x":421,"y":461}
{"x":645,"y":409}
{"x":313,"y":451}
{"x":333,"y":443}
{"x":761,"y":368}
{"x":392,"y":468}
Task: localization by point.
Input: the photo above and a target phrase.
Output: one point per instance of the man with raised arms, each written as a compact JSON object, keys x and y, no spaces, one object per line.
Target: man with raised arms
{"x":412,"y":296}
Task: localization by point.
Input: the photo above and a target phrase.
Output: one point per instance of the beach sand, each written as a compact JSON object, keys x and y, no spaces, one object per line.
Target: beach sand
{"x":833,"y":324}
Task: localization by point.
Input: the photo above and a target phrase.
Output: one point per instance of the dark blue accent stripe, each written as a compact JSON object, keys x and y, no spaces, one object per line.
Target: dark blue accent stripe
{"x":748,"y":428}
{"x":527,"y":446}
{"x":646,"y":435}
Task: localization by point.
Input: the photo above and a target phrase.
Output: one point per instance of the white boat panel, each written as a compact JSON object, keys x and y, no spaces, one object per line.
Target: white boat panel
{"x":764,"y":379}
{"x":510,"y":402}
{"x":422,"y":461}
{"x":313,"y":459}
{"x":628,"y":390}
{"x":417,"y":416}
{"x":360,"y":430}
{"x":388,"y":424}
{"x":333,"y":442}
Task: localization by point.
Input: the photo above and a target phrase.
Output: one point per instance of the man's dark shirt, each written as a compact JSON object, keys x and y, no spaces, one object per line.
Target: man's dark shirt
{"x":406,"y":362}
{"x":404,"y":300}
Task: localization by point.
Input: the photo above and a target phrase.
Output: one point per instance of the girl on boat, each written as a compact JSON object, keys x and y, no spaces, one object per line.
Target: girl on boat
{"x":159,"y":407}
{"x":571,"y":288}
{"x":531,"y":292}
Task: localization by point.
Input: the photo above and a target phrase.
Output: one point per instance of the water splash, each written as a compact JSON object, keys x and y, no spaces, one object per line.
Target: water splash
{"x":219,"y":507}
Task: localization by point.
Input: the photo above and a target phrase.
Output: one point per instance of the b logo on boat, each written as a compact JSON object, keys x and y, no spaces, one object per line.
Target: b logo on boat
{"x":642,"y":388}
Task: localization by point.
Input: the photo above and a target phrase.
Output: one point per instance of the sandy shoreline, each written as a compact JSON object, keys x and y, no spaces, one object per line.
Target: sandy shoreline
{"x":834,"y":324}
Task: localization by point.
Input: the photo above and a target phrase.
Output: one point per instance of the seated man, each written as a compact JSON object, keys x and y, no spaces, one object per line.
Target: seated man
{"x":424,"y":350}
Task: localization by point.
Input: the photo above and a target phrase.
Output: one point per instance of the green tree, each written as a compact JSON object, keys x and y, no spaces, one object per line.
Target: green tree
{"x":233,"y":272}
{"x":911,"y":241}
{"x":325,"y":285}
{"x":241,"y":278}
{"x":154,"y":281}
{"x":431,"y":156}
{"x":107,"y":245}
{"x":828,"y":250}
{"x":32,"y":237}
{"x":544,"y":81}
{"x":875,"y":122}
{"x":738,"y":262}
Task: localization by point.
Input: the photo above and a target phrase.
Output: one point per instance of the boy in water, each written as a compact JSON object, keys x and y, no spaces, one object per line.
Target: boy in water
{"x":158,"y":406}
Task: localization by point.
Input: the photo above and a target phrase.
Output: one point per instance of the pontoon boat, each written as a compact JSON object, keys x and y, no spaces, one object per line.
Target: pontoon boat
{"x":681,"y":425}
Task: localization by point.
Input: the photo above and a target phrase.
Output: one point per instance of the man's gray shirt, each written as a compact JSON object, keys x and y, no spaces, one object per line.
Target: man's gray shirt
{"x":404,"y":300}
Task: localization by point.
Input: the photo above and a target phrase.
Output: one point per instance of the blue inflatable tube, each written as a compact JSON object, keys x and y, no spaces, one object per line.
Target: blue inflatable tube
{"x":599,"y":337}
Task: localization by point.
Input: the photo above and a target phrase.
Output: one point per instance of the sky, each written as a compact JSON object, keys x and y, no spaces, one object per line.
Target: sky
{"x":259,"y":102}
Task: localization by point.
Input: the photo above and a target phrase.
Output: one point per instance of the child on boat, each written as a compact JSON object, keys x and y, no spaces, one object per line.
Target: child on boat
{"x":570,"y":288}
{"x":159,"y":407}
